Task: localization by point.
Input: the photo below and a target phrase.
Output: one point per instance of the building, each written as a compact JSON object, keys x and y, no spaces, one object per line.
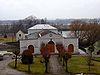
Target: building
{"x":45,"y":33}
{"x":20,"y":35}
{"x":39,"y":27}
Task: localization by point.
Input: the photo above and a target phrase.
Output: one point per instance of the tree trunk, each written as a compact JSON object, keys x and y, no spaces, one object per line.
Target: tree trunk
{"x":66,"y":65}
{"x":16,"y":61}
{"x":28,"y":66}
{"x":63,"y":61}
{"x":90,"y":60}
{"x":46,"y":65}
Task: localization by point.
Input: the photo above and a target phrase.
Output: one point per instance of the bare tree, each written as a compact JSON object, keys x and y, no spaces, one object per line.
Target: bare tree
{"x":88,"y":34}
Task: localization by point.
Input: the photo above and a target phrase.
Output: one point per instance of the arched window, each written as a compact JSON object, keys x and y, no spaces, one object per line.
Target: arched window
{"x":19,"y":35}
{"x":71,"y":48}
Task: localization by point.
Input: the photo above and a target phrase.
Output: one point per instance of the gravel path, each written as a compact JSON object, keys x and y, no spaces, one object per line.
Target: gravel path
{"x":55,"y":67}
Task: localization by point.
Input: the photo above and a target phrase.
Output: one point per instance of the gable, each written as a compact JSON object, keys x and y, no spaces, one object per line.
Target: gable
{"x":51,"y":35}
{"x":19,"y":32}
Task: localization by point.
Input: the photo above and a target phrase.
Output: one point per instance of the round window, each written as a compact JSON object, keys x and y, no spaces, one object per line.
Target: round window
{"x":50,"y":35}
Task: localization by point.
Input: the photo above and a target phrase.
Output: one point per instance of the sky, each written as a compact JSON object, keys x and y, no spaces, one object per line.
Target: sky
{"x":50,"y":9}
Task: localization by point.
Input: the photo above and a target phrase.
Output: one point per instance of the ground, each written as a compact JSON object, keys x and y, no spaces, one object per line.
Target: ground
{"x":55,"y":68}
{"x":6,"y":70}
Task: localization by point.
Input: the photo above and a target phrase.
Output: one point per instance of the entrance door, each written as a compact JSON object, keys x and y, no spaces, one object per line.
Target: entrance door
{"x":51,"y":46}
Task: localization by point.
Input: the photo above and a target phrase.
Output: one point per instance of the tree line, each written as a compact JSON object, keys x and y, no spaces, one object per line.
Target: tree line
{"x":20,"y":25}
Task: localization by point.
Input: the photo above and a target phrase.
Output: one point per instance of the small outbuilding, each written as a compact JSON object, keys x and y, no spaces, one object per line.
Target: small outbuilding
{"x":20,"y":35}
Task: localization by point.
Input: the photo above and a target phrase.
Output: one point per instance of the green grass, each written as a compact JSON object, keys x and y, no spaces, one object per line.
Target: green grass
{"x":36,"y":67}
{"x":8,"y":39}
{"x":78,"y":64}
{"x":97,"y":58}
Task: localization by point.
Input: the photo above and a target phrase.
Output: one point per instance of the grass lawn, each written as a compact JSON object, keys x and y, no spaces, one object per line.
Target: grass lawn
{"x":97,"y":58}
{"x":78,"y":64}
{"x":36,"y":67}
{"x":8,"y":39}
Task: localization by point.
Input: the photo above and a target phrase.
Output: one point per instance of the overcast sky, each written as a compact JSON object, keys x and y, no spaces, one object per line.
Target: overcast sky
{"x":51,"y":9}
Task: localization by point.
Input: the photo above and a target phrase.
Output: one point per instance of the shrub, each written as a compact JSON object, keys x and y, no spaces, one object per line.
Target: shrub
{"x":27,"y":59}
{"x":27,"y":55}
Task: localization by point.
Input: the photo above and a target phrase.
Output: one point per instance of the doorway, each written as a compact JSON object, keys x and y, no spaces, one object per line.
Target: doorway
{"x":51,"y":46}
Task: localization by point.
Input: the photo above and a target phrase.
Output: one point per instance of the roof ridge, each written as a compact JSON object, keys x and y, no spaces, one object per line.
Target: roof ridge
{"x":42,"y":26}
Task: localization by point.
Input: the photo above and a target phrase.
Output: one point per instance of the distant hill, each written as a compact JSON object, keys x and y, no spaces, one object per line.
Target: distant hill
{"x":54,"y":22}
